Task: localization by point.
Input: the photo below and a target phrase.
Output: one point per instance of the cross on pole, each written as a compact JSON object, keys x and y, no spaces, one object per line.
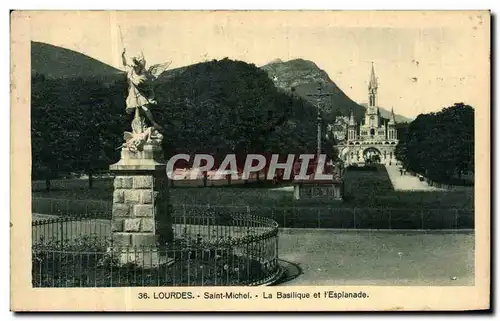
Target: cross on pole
{"x":318,"y":96}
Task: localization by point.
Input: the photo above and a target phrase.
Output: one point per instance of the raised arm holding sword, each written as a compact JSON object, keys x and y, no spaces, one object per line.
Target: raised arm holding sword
{"x":141,"y":96}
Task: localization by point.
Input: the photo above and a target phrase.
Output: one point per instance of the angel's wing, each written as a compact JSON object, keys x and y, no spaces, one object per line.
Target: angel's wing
{"x":158,"y":69}
{"x":127,"y":136}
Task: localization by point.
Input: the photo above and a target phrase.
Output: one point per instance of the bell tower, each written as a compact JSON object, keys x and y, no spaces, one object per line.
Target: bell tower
{"x":372,"y":90}
{"x":372,"y":112}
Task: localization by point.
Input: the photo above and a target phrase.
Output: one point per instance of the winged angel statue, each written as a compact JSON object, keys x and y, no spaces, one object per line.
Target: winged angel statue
{"x":140,"y":99}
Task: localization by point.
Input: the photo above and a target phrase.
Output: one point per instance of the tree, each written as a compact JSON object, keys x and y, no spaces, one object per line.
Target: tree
{"x":401,"y":148}
{"x":439,"y":145}
{"x":222,"y":107}
{"x":76,"y":125}
{"x":52,"y":134}
{"x":101,"y":125}
{"x":215,"y":107}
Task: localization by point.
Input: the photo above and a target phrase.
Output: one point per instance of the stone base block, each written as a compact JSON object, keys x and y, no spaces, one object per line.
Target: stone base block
{"x":329,"y":191}
{"x":124,"y":239}
{"x":147,"y":258}
{"x":151,"y":158}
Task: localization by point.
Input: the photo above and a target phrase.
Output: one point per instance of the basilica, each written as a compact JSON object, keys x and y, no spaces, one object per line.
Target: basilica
{"x":374,"y":139}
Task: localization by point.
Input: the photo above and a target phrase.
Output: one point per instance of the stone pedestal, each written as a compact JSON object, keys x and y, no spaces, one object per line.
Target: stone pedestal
{"x":314,"y":189}
{"x":140,"y":219}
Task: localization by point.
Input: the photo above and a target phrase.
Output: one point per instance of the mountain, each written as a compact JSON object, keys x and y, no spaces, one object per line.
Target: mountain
{"x":57,"y":62}
{"x":302,"y":77}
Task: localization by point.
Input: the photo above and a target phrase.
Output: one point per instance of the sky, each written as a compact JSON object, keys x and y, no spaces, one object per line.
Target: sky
{"x":423,"y":61}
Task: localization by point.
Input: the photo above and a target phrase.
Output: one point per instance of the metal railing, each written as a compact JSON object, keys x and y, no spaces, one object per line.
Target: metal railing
{"x":297,"y":216}
{"x":209,"y":249}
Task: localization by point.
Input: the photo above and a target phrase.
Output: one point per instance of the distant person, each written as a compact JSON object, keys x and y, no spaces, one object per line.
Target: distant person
{"x":205,"y":178}
{"x":47,"y":176}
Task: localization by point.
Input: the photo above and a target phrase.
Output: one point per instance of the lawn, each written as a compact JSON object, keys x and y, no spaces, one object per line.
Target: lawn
{"x":370,"y":202}
{"x":367,"y":182}
{"x":374,"y":189}
{"x":362,"y":189}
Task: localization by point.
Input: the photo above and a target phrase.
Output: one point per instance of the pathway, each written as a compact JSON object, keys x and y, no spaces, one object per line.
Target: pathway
{"x":407,"y":182}
{"x":39,"y":217}
{"x":329,"y":257}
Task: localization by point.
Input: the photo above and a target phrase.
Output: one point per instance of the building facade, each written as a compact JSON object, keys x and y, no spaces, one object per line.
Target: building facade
{"x":375,"y":138}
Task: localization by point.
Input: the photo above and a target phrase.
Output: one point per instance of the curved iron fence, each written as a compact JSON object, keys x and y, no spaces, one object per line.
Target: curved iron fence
{"x":209,"y":249}
{"x":326,"y":216}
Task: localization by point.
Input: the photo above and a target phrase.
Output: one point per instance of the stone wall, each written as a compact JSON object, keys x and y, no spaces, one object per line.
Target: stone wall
{"x":332,"y":191}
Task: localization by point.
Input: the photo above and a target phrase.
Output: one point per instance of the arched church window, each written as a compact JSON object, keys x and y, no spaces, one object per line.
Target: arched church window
{"x":372,"y":132}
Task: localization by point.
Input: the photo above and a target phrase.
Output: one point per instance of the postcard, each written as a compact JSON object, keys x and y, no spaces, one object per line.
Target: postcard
{"x":250,"y":160}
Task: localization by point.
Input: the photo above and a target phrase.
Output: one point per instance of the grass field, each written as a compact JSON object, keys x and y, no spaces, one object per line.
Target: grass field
{"x":362,"y":189}
{"x":374,"y":189}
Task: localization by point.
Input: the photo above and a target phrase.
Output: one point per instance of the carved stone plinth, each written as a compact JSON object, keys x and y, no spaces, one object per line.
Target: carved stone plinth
{"x":149,"y":257}
{"x":329,"y":190}
{"x":149,"y":159}
{"x":140,"y":217}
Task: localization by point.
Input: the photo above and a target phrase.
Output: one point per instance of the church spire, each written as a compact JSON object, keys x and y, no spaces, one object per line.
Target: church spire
{"x":352,"y":121}
{"x":392,"y":120}
{"x":373,"y":79}
{"x":372,"y":91}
